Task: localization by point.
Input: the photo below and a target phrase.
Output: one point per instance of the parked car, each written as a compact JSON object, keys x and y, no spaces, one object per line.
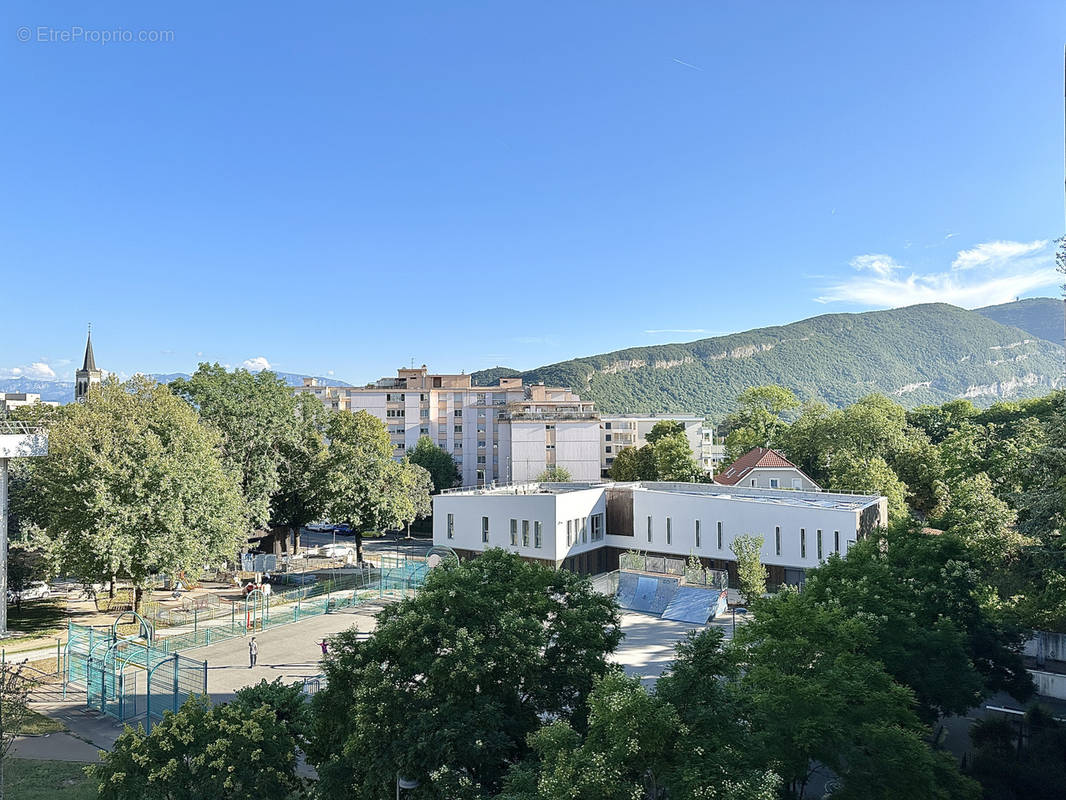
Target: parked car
{"x":343,"y":529}
{"x":336,"y":550}
{"x":319,"y":527}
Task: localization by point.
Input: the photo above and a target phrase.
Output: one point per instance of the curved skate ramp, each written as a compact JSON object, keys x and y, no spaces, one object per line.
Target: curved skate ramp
{"x":694,"y":604}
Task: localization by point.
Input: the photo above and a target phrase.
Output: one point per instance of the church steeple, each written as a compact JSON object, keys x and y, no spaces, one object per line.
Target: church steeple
{"x":88,"y":375}
{"x":89,"y":363}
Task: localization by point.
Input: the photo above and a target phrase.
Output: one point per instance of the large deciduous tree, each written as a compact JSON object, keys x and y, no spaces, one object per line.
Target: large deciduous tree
{"x":133,"y":485}
{"x":255,"y":414}
{"x":437,"y":461}
{"x":358,"y":480}
{"x":232,"y":751}
{"x":820,"y":700}
{"x":454,"y":679}
{"x":758,"y":420}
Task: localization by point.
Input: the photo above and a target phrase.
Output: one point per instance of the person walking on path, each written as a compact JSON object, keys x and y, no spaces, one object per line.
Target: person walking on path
{"x":253,"y":653}
{"x":325,"y":647}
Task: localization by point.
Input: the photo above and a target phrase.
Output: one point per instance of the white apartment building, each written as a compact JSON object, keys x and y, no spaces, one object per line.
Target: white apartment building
{"x":586,"y":526}
{"x":620,"y":431}
{"x":12,"y":400}
{"x":506,"y":433}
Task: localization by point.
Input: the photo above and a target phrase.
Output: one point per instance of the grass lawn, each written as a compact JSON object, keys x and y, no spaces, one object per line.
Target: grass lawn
{"x":29,"y":779}
{"x":38,"y":724}
{"x":45,"y":617}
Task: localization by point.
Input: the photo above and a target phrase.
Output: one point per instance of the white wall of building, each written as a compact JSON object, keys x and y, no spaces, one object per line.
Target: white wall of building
{"x":738,"y":516}
{"x":577,"y":448}
{"x":465,"y":514}
{"x":798,"y":523}
{"x":778,"y":478}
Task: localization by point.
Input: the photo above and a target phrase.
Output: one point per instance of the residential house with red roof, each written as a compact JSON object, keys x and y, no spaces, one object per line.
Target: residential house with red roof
{"x":765,"y":468}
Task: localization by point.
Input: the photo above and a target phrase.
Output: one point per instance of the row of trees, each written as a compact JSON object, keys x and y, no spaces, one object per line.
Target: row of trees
{"x":992,"y":476}
{"x":146,"y":479}
{"x":495,"y":681}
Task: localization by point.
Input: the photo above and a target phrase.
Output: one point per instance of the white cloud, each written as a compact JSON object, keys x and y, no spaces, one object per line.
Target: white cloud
{"x":990,"y":273}
{"x":38,"y":370}
{"x":256,"y":364}
{"x":329,"y":372}
{"x":991,"y":254}
{"x":878,"y":263}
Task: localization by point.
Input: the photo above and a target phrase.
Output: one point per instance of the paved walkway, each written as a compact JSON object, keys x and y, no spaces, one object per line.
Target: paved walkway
{"x":54,"y":747}
{"x":648,"y":647}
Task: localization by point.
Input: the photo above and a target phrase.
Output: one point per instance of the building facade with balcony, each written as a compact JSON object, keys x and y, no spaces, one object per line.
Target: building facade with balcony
{"x":621,"y":431}
{"x":505,"y":433}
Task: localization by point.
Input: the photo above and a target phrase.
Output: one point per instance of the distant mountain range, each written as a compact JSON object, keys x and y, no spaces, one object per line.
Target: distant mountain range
{"x":920,"y":354}
{"x":1040,"y":316}
{"x":63,"y":391}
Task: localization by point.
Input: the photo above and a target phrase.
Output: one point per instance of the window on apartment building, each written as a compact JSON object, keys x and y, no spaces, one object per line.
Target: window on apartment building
{"x":401,"y":446}
{"x":423,"y":413}
{"x":424,"y":430}
{"x":481,"y":397}
{"x":597,"y":527}
{"x":777,"y":540}
{"x":458,"y":412}
{"x":719,"y":535}
{"x":803,"y":542}
{"x":836,"y":541}
{"x":481,"y":460}
{"x":549,"y":447}
{"x":697,"y":533}
{"x":451,"y":526}
{"x":525,"y":533}
{"x":607,"y":425}
{"x":669,"y":530}
{"x":458,"y":428}
{"x":423,"y":397}
{"x":457,"y":397}
{"x":774,"y":483}
{"x":569,"y":532}
{"x":457,"y":446}
{"x":514,"y":532}
{"x":484,"y":529}
{"x":607,"y":448}
{"x":607,"y":437}
{"x":818,"y":542}
{"x":752,"y":481}
{"x":649,"y":529}
{"x":584,"y":529}
{"x":481,"y":444}
{"x":537,"y":538}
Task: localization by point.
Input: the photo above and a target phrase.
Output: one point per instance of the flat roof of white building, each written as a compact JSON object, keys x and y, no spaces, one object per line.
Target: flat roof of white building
{"x":779,"y":497}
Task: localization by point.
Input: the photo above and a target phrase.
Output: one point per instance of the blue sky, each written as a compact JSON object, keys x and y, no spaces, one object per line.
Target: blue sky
{"x":337,"y":188}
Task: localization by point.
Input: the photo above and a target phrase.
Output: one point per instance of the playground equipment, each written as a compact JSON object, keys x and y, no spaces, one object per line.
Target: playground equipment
{"x":137,"y":675}
{"x":131,"y":678}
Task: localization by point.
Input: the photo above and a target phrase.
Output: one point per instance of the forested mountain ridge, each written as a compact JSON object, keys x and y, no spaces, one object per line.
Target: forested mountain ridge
{"x":919,"y":354}
{"x":1040,"y":316}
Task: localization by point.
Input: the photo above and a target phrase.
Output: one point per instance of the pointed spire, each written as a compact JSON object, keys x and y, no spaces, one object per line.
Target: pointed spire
{"x":90,"y":361}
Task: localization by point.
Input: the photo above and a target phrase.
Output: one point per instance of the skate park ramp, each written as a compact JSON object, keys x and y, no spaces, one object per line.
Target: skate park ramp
{"x":694,"y":604}
{"x":646,"y":593}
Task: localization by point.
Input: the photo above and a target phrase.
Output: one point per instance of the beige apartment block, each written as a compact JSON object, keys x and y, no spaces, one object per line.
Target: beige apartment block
{"x":496,"y":434}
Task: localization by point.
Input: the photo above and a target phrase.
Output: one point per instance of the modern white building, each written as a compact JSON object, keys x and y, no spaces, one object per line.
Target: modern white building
{"x":621,"y":431}
{"x":506,"y":433}
{"x":585,"y":527}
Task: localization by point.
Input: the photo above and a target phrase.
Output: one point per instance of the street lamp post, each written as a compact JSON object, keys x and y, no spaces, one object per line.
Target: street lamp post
{"x":404,"y":783}
{"x":742,"y":610}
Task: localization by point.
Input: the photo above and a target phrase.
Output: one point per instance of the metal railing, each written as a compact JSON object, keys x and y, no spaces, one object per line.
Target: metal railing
{"x":19,"y":427}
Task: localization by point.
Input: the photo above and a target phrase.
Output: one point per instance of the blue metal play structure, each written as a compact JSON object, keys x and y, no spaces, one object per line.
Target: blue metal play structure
{"x":129,"y":673}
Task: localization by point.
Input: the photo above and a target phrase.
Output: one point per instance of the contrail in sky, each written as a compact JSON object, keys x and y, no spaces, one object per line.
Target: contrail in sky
{"x":686,"y":64}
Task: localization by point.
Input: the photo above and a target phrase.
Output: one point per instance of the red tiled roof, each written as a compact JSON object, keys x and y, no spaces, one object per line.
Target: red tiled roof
{"x":756,"y":457}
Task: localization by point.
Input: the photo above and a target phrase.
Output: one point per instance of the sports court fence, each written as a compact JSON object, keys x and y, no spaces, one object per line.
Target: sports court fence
{"x":128,"y":672}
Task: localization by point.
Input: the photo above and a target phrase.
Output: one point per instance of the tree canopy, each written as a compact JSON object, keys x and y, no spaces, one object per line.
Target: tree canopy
{"x":454,"y":679}
{"x":133,"y":485}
